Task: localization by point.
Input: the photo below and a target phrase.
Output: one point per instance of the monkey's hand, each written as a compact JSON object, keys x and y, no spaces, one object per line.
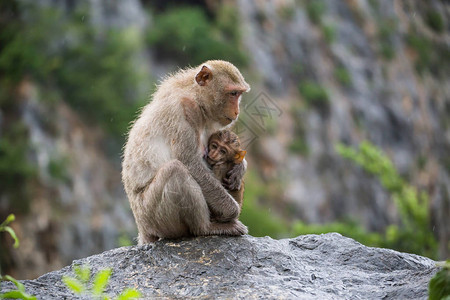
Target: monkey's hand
{"x":232,"y":181}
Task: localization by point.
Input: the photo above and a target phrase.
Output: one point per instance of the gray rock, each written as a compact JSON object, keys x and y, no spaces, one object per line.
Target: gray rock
{"x":327,"y":266}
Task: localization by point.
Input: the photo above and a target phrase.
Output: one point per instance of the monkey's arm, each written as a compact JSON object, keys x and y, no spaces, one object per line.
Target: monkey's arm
{"x":238,"y":195}
{"x":232,"y":181}
{"x":221,"y":204}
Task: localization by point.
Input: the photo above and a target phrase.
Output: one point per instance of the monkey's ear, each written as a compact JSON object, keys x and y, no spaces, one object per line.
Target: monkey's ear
{"x":239,"y":157}
{"x":204,"y":76}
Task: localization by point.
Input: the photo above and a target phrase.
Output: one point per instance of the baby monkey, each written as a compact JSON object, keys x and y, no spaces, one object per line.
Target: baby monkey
{"x":226,"y":160}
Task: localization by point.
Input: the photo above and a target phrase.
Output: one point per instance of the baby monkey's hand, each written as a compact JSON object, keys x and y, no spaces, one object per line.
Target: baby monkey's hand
{"x":232,"y":181}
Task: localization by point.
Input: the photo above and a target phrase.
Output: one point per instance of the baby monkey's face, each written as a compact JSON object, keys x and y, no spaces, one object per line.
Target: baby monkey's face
{"x":224,"y":147}
{"x":218,"y":152}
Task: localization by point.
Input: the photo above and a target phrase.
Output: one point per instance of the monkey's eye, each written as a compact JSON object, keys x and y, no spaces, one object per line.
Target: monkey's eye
{"x":234,"y":93}
{"x":213,"y":146}
{"x":223,"y":151}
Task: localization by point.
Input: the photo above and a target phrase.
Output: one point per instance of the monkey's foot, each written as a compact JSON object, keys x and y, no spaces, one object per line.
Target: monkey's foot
{"x":233,"y":228}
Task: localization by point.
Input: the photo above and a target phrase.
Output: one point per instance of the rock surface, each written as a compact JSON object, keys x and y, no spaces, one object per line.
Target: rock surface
{"x":327,"y":266}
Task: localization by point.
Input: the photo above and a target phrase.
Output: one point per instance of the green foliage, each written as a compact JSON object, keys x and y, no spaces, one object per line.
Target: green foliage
{"x":99,"y":78}
{"x":424,"y":50}
{"x":374,"y":4}
{"x":4,"y":227}
{"x":124,"y":240}
{"x":57,"y":168}
{"x":100,"y":281}
{"x":186,"y":35}
{"x":20,"y":292}
{"x":387,"y":51}
{"x":314,"y":94}
{"x":439,"y":286}
{"x":94,"y":71}
{"x":435,"y":20}
{"x":343,"y":76}
{"x":15,"y":169}
{"x":297,"y":69}
{"x":226,"y":27}
{"x":299,"y":146}
{"x":253,"y":213}
{"x":315,"y":10}
{"x":80,"y":284}
{"x":73,"y":284}
{"x":287,"y":12}
{"x":83,"y":273}
{"x":385,"y":35}
{"x":271,"y":125}
{"x":432,"y":55}
{"x":129,"y":294}
{"x":329,"y":33}
{"x":16,"y":294}
{"x":16,"y":60}
{"x":415,"y":234}
{"x":20,"y":45}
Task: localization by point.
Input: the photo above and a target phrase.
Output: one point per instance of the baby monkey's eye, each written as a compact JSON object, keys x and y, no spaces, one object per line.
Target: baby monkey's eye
{"x":213,"y":146}
{"x":223,"y":152}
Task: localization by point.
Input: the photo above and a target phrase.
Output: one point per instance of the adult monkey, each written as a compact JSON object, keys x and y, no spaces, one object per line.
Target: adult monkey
{"x":171,"y":191}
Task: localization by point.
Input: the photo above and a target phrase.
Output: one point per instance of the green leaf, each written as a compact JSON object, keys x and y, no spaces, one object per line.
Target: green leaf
{"x":129,"y":294}
{"x":439,"y":286}
{"x":13,"y":235}
{"x":73,"y":284}
{"x":83,"y":273}
{"x":8,"y":220}
{"x":17,"y":294}
{"x":12,"y":294}
{"x":100,"y":281}
{"x":18,"y":284}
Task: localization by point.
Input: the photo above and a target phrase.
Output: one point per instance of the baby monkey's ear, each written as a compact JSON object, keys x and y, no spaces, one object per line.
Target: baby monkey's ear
{"x":239,"y":157}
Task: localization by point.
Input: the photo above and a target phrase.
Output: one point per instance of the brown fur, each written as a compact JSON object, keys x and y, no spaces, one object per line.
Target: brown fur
{"x":228,"y":165}
{"x":172,"y":192}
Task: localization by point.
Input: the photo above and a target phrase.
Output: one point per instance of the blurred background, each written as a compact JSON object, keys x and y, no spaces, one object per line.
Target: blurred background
{"x":347,"y":125}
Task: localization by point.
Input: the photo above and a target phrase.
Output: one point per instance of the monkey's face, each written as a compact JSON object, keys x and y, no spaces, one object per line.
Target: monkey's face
{"x":222,"y":82}
{"x":230,"y":104}
{"x":223,"y":147}
{"x":217,"y":152}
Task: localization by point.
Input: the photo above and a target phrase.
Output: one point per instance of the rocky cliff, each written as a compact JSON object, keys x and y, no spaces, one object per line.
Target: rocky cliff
{"x":307,"y":267}
{"x":383,"y":77}
{"x":78,"y":205}
{"x":60,"y":171}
